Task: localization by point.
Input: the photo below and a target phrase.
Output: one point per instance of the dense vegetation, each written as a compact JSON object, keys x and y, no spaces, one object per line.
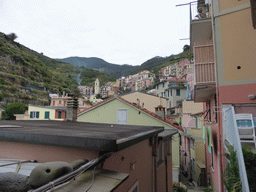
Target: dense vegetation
{"x":250,"y":164}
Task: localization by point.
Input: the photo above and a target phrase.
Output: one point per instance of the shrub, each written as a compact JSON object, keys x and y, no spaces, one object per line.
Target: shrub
{"x":15,"y":108}
{"x":2,"y":81}
{"x":179,"y":187}
{"x":250,"y":164}
{"x":232,"y":180}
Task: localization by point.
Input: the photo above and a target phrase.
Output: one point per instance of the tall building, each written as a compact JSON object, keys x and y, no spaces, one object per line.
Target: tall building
{"x":223,"y":41}
{"x":97,"y":87}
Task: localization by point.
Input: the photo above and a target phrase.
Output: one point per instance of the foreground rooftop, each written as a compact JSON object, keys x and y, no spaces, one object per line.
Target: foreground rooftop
{"x":91,"y":136}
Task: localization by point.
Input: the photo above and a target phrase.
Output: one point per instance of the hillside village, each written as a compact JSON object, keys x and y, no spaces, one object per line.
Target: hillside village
{"x":190,"y":126}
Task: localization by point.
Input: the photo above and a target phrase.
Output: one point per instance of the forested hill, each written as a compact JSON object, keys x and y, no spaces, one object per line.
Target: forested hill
{"x":95,"y":63}
{"x":117,"y":71}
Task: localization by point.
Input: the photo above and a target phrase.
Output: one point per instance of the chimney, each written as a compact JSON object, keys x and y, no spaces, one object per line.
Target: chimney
{"x":160,"y":111}
{"x":72,"y":106}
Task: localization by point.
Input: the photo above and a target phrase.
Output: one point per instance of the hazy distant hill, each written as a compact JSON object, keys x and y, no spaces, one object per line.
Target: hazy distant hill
{"x":154,"y":64}
{"x":101,"y":65}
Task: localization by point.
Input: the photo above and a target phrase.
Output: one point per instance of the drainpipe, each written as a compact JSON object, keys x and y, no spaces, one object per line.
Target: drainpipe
{"x":221,"y":187}
{"x":154,"y":153}
{"x":166,"y":172}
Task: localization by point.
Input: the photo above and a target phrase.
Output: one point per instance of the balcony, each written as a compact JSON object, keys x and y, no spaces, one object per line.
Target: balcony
{"x":176,"y":85}
{"x":204,"y":70}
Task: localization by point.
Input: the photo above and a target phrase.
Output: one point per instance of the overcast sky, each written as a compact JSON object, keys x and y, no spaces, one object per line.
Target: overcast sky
{"x":118,"y":31}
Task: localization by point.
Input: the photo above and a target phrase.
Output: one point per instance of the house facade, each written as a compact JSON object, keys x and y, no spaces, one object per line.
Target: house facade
{"x":119,"y":111}
{"x":174,"y":89}
{"x":146,"y":101}
{"x":222,"y":41}
{"x":43,"y":113}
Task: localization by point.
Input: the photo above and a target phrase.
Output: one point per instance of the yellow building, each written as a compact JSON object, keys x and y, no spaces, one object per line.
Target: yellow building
{"x":117,"y":110}
{"x":43,"y":113}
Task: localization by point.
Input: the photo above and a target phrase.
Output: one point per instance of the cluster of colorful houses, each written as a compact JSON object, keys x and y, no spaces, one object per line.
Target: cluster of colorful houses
{"x":144,"y":80}
{"x":144,"y":142}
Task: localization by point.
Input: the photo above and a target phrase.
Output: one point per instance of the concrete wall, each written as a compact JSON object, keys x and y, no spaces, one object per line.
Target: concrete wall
{"x":107,"y":113}
{"x":192,"y":107}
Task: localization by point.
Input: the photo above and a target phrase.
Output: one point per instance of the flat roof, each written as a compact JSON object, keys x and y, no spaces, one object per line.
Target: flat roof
{"x":91,"y":136}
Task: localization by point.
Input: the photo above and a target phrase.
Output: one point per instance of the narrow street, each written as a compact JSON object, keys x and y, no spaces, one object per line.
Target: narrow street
{"x":189,"y":185}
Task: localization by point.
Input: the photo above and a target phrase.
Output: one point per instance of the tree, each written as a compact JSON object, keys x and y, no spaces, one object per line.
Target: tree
{"x":12,"y":36}
{"x":186,"y":48}
{"x":15,"y":108}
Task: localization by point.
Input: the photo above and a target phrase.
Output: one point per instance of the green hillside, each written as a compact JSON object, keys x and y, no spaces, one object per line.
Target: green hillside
{"x":117,"y":71}
{"x":100,"y":65}
{"x":28,"y":76}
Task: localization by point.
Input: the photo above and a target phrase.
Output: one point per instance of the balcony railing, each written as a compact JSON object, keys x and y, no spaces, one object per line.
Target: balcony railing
{"x":199,"y":10}
{"x":176,"y":85}
{"x":204,"y":69}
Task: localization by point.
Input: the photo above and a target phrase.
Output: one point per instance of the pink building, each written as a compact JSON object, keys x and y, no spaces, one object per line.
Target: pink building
{"x":133,"y":157}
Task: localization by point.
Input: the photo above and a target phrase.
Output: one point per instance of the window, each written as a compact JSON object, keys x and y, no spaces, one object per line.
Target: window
{"x":47,"y":114}
{"x":163,"y":85}
{"x":34,"y":114}
{"x":135,"y":187}
{"x":59,"y":114}
{"x":171,"y":92}
{"x":53,"y":103}
{"x":192,"y":143}
{"x":253,"y":10}
{"x":177,"y":92}
{"x":212,"y":158}
{"x":215,"y":105}
{"x":60,"y":102}
{"x":157,"y":87}
{"x":160,"y":153}
{"x":168,"y":93}
{"x":198,"y":123}
{"x":121,"y":116}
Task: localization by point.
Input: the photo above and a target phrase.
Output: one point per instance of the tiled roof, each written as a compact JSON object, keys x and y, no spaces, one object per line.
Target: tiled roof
{"x":136,"y":106}
{"x":175,"y":79}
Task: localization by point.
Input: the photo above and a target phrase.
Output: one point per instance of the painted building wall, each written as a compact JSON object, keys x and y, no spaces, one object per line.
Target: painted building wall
{"x":139,"y":154}
{"x":107,"y":113}
{"x":174,"y":98}
{"x":235,"y":39}
{"x":150,"y":102}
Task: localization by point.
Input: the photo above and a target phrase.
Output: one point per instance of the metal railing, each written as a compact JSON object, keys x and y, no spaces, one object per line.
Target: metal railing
{"x":232,"y":136}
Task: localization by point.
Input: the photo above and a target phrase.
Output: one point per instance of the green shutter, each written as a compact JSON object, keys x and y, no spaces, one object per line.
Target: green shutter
{"x":59,"y":114}
{"x":203,"y":131}
{"x":177,"y":92}
{"x":209,"y":135}
{"x":31,"y":114}
{"x":46,"y":114}
{"x":37,"y":114}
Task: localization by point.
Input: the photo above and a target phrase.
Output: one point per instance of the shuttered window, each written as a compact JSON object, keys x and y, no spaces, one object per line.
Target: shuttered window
{"x":47,"y":114}
{"x":122,"y":116}
{"x":34,"y":114}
